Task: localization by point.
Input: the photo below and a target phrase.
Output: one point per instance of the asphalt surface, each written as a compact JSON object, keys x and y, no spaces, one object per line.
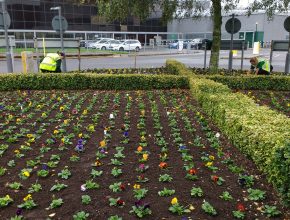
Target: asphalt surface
{"x":156,"y":58}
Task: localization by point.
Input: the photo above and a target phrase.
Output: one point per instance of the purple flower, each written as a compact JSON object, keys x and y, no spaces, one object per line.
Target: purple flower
{"x":182,"y":147}
{"x":138,"y":203}
{"x":19,"y":211}
{"x":184,"y":218}
{"x":126,"y":134}
{"x":44,"y":167}
{"x":102,"y":150}
{"x":2,"y":107}
{"x":80,"y":141}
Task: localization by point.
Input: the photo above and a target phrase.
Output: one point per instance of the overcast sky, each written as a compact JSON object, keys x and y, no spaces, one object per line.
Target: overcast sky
{"x":245,"y":2}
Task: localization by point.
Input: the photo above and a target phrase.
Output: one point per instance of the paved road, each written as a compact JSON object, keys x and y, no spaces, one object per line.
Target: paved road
{"x":158,"y":59}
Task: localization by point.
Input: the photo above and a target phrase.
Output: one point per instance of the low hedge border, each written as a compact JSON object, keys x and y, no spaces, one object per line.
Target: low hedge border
{"x":280,"y":83}
{"x":258,"y":131}
{"x":90,"y":81}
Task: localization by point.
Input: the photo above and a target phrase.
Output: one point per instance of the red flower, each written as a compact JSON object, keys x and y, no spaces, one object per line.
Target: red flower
{"x":192,"y":171}
{"x":122,"y":187}
{"x":241,"y":207}
{"x":215,"y":178}
{"x":163,"y":165}
{"x":120,"y":202}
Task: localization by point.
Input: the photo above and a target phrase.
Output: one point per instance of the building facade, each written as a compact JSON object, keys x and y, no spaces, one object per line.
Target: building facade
{"x":254,"y":28}
{"x":36,"y":15}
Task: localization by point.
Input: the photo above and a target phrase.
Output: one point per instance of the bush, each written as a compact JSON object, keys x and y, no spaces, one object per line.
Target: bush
{"x":90,"y":81}
{"x":258,"y":131}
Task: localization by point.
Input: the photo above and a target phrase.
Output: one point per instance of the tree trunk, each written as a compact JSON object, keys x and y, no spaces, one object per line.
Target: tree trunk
{"x":217,"y":23}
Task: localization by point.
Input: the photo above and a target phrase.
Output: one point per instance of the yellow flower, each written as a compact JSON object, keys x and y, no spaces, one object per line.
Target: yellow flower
{"x":145,"y":156}
{"x":211,"y":157}
{"x":43,"y":114}
{"x":103,"y":143}
{"x":30,"y":104}
{"x":80,"y":135}
{"x":10,"y":117}
{"x":38,"y":106}
{"x":62,"y":140}
{"x":17,"y":151}
{"x":55,"y":132}
{"x":65,"y":121}
{"x":27,"y":197}
{"x":85,"y":112}
{"x":58,"y":98}
{"x":18,"y":120}
{"x":61,"y":108}
{"x":136,"y":186}
{"x":7,"y":197}
{"x":29,"y":135}
{"x":174,"y":201}
{"x":288,"y":104}
{"x":208,"y":164}
{"x":26,"y":173}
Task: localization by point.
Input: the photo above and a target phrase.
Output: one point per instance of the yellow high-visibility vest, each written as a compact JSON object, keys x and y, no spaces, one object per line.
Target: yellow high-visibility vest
{"x":49,"y":62}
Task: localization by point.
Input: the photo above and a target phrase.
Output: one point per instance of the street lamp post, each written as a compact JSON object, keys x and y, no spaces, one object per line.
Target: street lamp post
{"x":256,"y":32}
{"x":58,"y":8}
{"x":8,"y":54}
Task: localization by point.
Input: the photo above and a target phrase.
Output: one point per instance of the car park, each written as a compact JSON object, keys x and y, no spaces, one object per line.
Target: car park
{"x":199,"y":43}
{"x":128,"y":45}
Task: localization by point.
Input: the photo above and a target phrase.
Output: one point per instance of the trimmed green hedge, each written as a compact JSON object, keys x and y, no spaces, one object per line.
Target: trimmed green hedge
{"x":90,"y":81}
{"x":258,"y":131}
{"x":281,"y":83}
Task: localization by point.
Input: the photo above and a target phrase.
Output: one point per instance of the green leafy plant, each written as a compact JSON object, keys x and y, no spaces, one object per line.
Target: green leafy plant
{"x":116,"y":162}
{"x":166,"y":192}
{"x":226,"y":196}
{"x":96,"y":173}
{"x":270,"y":211}
{"x":256,"y":194}
{"x":15,"y":185}
{"x":116,"y":171}
{"x":141,"y":210}
{"x":28,"y":203}
{"x":239,"y":214}
{"x":90,"y":184}
{"x":86,"y":199}
{"x":178,"y":209}
{"x":208,"y":208}
{"x":58,"y":187}
{"x":81,"y":215}
{"x":140,"y":193}
{"x":42,"y":173}
{"x":116,"y":202}
{"x":114,"y":217}
{"x":74,"y":158}
{"x":165,"y":178}
{"x":4,"y":201}
{"x":2,"y":171}
{"x":117,"y":187}
{"x":55,"y":203}
{"x":35,"y":187}
{"x":196,"y":192}
{"x":65,"y":173}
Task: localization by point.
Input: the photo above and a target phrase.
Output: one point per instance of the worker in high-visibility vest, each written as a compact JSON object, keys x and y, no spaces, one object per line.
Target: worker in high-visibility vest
{"x":260,"y":66}
{"x":51,"y":63}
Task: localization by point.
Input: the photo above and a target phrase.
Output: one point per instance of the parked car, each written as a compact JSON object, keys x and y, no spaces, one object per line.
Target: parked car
{"x":199,"y":43}
{"x":107,"y":44}
{"x":175,"y":44}
{"x":128,"y":45}
{"x":100,"y":41}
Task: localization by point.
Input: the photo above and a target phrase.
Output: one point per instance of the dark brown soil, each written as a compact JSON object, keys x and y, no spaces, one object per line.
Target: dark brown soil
{"x":171,"y":104}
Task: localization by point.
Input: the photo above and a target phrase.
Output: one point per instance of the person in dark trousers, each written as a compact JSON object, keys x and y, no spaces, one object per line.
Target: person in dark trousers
{"x":51,"y":63}
{"x":260,"y":66}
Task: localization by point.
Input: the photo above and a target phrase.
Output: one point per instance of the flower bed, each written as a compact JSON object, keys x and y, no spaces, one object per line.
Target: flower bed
{"x":122,"y":155}
{"x":278,"y":100}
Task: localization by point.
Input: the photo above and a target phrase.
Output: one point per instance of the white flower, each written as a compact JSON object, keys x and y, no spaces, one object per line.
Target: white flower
{"x":217,"y":135}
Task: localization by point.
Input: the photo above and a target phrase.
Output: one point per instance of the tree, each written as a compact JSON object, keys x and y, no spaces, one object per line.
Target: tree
{"x":177,"y":9}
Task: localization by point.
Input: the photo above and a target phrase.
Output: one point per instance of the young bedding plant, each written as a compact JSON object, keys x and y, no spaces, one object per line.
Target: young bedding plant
{"x":92,"y":136}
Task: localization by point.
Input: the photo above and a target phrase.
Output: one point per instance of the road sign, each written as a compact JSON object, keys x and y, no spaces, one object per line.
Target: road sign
{"x":287,"y":24}
{"x":55,"y":23}
{"x":237,"y":25}
{"x":7,"y":19}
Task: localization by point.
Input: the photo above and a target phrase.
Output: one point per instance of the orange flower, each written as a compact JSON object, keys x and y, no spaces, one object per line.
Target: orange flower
{"x":192,"y":171}
{"x":98,"y":163}
{"x":139,"y":148}
{"x":163,"y":165}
